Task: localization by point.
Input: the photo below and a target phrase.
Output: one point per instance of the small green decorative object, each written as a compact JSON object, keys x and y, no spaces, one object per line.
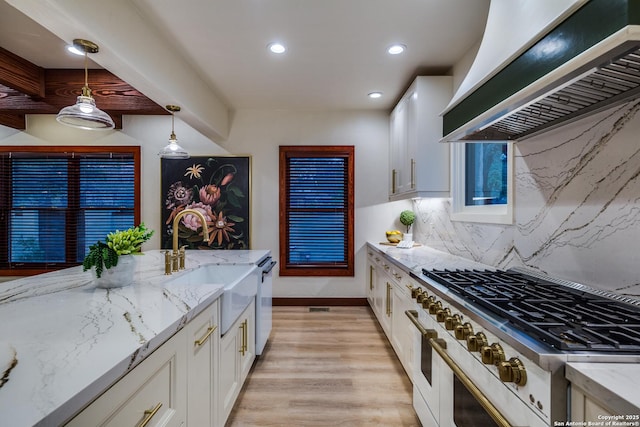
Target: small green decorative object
{"x":407,"y":218}
{"x":105,"y":255}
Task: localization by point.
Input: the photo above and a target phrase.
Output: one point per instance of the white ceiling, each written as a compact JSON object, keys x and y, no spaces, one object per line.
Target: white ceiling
{"x":336,"y":48}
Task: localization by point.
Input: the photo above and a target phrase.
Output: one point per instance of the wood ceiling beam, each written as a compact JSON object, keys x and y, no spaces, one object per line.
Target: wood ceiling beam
{"x":20,"y":74}
{"x":26,"y":88}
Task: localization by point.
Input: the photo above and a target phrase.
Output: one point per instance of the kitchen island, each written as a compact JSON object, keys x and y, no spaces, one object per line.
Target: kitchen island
{"x":63,"y":341}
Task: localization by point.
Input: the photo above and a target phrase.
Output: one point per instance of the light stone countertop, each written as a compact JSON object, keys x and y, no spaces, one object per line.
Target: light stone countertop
{"x":613,"y":385}
{"x":419,"y":257}
{"x":63,"y":341}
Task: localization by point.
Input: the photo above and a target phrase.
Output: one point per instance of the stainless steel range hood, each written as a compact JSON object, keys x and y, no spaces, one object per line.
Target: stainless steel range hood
{"x":587,"y":63}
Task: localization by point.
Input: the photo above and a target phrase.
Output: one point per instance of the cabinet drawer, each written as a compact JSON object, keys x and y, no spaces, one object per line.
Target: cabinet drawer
{"x":154,"y":390}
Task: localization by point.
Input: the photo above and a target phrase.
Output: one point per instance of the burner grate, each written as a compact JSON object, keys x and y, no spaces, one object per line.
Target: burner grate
{"x":563,"y":317}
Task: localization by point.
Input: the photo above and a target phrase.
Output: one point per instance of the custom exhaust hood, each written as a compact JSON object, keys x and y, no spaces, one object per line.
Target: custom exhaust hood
{"x":587,"y":62}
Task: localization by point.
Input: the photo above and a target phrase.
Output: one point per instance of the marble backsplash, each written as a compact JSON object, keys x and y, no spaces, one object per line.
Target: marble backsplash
{"x":576,"y":212}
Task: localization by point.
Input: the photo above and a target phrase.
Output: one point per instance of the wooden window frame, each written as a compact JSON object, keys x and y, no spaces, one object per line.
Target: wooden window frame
{"x":287,"y":269}
{"x":134,"y":150}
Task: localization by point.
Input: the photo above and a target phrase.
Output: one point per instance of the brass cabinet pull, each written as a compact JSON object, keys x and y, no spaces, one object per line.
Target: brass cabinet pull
{"x":204,"y":339}
{"x":246,"y":335}
{"x":393,"y":181}
{"x":371,"y":270}
{"x":388,"y":298}
{"x":473,"y":389}
{"x":413,"y":174}
{"x":149,"y":413}
{"x":242,"y":326}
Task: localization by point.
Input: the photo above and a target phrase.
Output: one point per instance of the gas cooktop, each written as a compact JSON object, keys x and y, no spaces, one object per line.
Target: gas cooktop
{"x":560,"y":316}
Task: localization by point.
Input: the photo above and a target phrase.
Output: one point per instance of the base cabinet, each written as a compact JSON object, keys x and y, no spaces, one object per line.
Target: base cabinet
{"x":176,"y":385}
{"x":154,"y":393}
{"x":202,"y":368}
{"x":390,"y":290}
{"x":237,"y":353}
{"x":401,"y":327}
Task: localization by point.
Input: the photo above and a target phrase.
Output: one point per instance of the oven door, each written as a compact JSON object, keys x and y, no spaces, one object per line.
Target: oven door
{"x":426,"y":395}
{"x":462,"y":403}
{"x":443,"y":395}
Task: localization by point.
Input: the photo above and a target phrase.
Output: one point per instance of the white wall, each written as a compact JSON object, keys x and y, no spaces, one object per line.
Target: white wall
{"x":261,"y":132}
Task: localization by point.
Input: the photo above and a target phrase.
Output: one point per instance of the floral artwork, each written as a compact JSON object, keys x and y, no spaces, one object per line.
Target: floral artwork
{"x":217,"y":187}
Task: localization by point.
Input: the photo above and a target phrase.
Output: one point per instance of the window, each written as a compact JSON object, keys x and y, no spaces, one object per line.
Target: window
{"x":482,"y":183}
{"x":316,"y":211}
{"x":57,"y":201}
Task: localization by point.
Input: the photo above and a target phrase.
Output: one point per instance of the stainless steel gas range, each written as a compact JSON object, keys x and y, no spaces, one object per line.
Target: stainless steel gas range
{"x":490,"y":347}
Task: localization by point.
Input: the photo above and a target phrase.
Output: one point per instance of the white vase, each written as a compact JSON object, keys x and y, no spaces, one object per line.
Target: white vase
{"x":118,"y":276}
{"x":407,"y":237}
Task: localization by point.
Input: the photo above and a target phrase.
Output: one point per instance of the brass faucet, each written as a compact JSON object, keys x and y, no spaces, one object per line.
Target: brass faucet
{"x":175,"y":260}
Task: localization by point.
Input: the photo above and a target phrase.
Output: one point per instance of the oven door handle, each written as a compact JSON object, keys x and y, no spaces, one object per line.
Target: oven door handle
{"x":473,"y":389}
{"x":413,"y":316}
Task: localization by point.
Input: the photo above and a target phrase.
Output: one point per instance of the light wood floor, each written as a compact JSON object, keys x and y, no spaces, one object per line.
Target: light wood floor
{"x":320,"y":368}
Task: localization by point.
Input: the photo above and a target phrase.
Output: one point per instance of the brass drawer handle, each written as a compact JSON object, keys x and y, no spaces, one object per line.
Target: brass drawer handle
{"x":204,"y":339}
{"x":242,"y":344}
{"x":148,"y":414}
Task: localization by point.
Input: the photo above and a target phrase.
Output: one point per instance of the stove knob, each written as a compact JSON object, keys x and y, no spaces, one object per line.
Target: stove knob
{"x":421,"y":297}
{"x":428,"y":301}
{"x":450,"y":322}
{"x":493,"y":354}
{"x":513,"y":371}
{"x":433,"y":308}
{"x":477,"y":341}
{"x":463,"y":331}
{"x":415,"y":292}
{"x":442,"y":314}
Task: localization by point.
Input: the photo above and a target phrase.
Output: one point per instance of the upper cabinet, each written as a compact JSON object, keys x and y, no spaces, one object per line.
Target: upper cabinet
{"x":419,"y":163}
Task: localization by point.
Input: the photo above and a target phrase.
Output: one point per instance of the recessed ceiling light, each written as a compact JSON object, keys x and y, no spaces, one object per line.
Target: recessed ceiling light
{"x":277,"y":47}
{"x":375,"y":95}
{"x":396,"y":49}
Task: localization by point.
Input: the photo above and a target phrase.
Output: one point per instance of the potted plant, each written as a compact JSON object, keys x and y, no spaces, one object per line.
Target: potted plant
{"x":407,"y":218}
{"x":117,"y":250}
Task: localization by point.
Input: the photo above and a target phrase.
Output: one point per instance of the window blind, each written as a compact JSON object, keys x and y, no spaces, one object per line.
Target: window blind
{"x":54,"y":205}
{"x":317,"y":210}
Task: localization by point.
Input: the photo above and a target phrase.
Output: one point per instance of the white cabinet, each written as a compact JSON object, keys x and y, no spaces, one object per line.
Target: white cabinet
{"x":154,"y":393}
{"x":419,"y":163}
{"x":237,"y":353}
{"x":203,"y":336}
{"x":402,"y":332}
{"x":371,"y":278}
{"x":391,"y":298}
{"x":600,"y":390}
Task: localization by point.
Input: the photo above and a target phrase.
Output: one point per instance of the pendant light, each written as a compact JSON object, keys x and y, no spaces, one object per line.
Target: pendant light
{"x":84,"y":114}
{"x":173,"y":150}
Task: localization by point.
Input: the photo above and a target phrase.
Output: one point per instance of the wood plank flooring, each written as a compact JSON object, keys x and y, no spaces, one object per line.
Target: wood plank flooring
{"x":322,"y":368}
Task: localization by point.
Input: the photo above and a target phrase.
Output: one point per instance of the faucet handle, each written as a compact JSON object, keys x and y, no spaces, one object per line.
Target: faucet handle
{"x":182,"y":256}
{"x":167,"y":263}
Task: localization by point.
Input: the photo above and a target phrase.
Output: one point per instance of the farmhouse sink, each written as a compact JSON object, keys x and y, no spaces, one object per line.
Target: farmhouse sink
{"x":240,"y":283}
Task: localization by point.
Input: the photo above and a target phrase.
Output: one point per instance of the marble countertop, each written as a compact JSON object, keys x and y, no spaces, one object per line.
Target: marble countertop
{"x":613,"y":385}
{"x":419,"y":257}
{"x":63,"y":341}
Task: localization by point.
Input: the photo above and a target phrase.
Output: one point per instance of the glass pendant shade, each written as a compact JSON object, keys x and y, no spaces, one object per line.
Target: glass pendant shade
{"x":173,"y":150}
{"x":84,"y":114}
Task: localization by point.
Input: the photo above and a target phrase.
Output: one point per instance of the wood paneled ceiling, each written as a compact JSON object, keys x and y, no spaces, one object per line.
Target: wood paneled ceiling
{"x":26,"y":88}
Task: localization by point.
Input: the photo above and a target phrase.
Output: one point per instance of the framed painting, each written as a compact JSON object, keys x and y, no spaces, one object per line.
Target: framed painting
{"x":216,"y":186}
